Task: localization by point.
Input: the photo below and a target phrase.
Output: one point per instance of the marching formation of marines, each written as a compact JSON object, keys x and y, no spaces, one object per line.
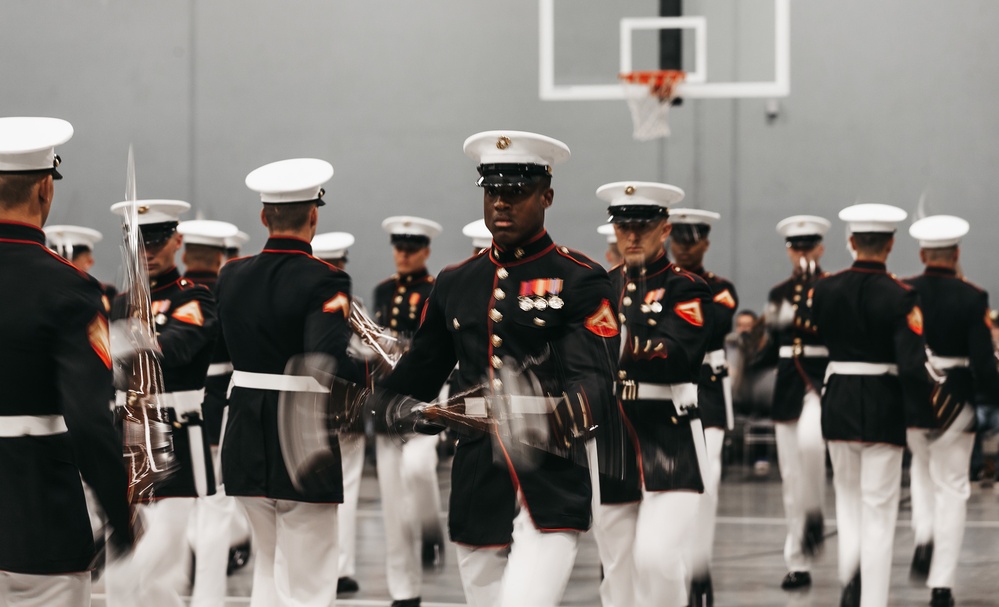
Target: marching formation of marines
{"x":573,"y":397}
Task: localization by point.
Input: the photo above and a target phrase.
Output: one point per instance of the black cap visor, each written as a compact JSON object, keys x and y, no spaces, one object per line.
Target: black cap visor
{"x":636,"y":213}
{"x":155,"y":234}
{"x":803,"y":243}
{"x":410,"y":242}
{"x":689,"y":233}
{"x":511,"y":175}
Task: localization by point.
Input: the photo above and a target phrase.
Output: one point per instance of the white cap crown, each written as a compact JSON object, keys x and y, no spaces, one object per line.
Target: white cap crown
{"x":332,"y":245}
{"x":803,"y":225}
{"x":867,"y":217}
{"x":939,"y":231}
{"x":515,"y":147}
{"x":152,"y":211}
{"x":405,"y":225}
{"x":693,"y":217}
{"x":290,"y":181}
{"x":479,"y":233}
{"x":28,"y":143}
{"x":207,"y":232}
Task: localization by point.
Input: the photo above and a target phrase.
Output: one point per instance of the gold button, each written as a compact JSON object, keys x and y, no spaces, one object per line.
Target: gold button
{"x":497,"y":341}
{"x":502,"y":273}
{"x":518,"y":253}
{"x":401,"y":290}
{"x":457,"y":325}
{"x":714,"y":378}
{"x":631,"y":287}
{"x":496,"y":362}
{"x":539,"y":322}
{"x":394,"y":323}
{"x":797,"y":298}
{"x":499,"y":294}
{"x":652,"y":322}
{"x":398,"y":299}
{"x":622,"y":374}
{"x":622,"y":318}
{"x":797,"y":288}
{"x":673,"y":419}
{"x":626,"y":301}
{"x":395,"y":311}
{"x":497,"y":384}
{"x":495,"y":315}
{"x":564,"y":249}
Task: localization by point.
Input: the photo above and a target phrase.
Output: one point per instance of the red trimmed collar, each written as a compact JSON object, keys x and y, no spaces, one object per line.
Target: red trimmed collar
{"x":17,"y":230}
{"x":652,"y":268}
{"x":532,"y":249}
{"x":164,"y":280}
{"x":939,"y":271}
{"x":869,"y":266}
{"x":280,"y":244}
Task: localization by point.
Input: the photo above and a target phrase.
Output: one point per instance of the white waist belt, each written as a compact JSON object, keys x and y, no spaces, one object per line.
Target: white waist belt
{"x":186,"y":401}
{"x":216,"y":369}
{"x":517,"y":405}
{"x":716,"y":359}
{"x":279,"y":383}
{"x":943,"y":363}
{"x":12,"y":426}
{"x":839,"y":367}
{"x":684,"y":396}
{"x":805,"y":352}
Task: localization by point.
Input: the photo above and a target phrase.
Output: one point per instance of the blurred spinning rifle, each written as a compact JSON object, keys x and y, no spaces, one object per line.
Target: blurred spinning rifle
{"x":146,"y":431}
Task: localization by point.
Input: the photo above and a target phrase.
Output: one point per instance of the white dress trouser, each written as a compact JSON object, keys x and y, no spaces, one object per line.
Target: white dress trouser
{"x":702,"y":547}
{"x":156,"y":572}
{"x":801,"y":455}
{"x":295,"y":555}
{"x":26,"y":590}
{"x":867,"y":478}
{"x":407,"y":479}
{"x":352,"y":456}
{"x":643,"y":546}
{"x":534,"y":570}
{"x":940,"y":490}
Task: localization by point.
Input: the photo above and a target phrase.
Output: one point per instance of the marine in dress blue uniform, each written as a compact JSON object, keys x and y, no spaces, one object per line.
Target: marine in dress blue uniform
{"x":407,"y":476}
{"x":647,"y":519}
{"x":524,"y":303}
{"x":216,"y":515}
{"x":956,"y":325}
{"x":872,"y":325}
{"x":274,"y":306}
{"x":186,"y":327}
{"x":689,"y":241}
{"x":55,"y":379}
{"x":801,"y":361}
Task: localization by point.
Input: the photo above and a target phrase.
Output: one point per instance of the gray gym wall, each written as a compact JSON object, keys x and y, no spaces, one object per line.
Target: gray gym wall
{"x":889,"y":100}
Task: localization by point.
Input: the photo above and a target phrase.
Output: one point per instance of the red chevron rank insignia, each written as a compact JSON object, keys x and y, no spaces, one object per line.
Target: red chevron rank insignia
{"x":339,"y":303}
{"x":190,"y":313}
{"x":100,"y":341}
{"x":690,"y":311}
{"x":725,"y":298}
{"x":602,"y":322}
{"x":915,"y":320}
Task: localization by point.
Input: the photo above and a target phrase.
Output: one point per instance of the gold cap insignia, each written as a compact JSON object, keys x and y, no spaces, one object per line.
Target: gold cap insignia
{"x":630,"y":190}
{"x":503,"y":143}
{"x":143,"y":210}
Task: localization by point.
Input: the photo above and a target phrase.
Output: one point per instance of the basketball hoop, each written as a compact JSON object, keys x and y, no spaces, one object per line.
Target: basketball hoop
{"x":649,"y":96}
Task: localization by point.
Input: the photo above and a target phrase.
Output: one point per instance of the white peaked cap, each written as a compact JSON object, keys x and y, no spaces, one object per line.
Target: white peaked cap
{"x":866,"y":217}
{"x":332,"y":245}
{"x":479,"y":233}
{"x":290,"y":181}
{"x":939,"y":231}
{"x":207,"y":232}
{"x":153,"y":211}
{"x":404,"y":225}
{"x":803,"y":225}
{"x":67,"y":237}
{"x":607,"y":229}
{"x":28,"y":143}
{"x":693,"y":216}
{"x":237,"y":241}
{"x":515,"y":147}
{"x":626,"y":193}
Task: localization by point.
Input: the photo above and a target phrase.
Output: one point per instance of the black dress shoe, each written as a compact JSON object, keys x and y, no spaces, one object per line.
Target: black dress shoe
{"x":432,"y":553}
{"x":796,"y":579}
{"x":238,"y":557}
{"x":346,"y":585}
{"x":814,"y":535}
{"x":701,"y":591}
{"x":407,"y":603}
{"x":851,"y":593}
{"x":941,"y":597}
{"x":921,"y":560}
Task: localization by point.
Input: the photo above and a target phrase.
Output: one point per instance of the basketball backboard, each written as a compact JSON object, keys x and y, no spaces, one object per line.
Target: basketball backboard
{"x":579,"y":24}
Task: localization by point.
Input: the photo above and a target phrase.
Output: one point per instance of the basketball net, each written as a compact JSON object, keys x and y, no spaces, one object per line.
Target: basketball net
{"x":649,"y":96}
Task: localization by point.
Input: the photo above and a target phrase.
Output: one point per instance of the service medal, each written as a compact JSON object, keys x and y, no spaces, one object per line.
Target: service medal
{"x":656,"y":307}
{"x":525,"y":303}
{"x":540,"y":303}
{"x":555,"y":302}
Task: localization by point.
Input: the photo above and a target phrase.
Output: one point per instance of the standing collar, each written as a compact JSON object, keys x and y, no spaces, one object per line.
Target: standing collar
{"x":939,"y":271}
{"x":15,"y":230}
{"x":405,"y":279}
{"x":165,"y":279}
{"x":532,"y":249}
{"x":281,"y":244}
{"x":201,"y":275}
{"x":869,"y":266}
{"x":652,"y":268}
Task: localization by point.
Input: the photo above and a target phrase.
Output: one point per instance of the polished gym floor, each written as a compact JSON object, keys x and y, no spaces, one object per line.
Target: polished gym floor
{"x":748,"y":563}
